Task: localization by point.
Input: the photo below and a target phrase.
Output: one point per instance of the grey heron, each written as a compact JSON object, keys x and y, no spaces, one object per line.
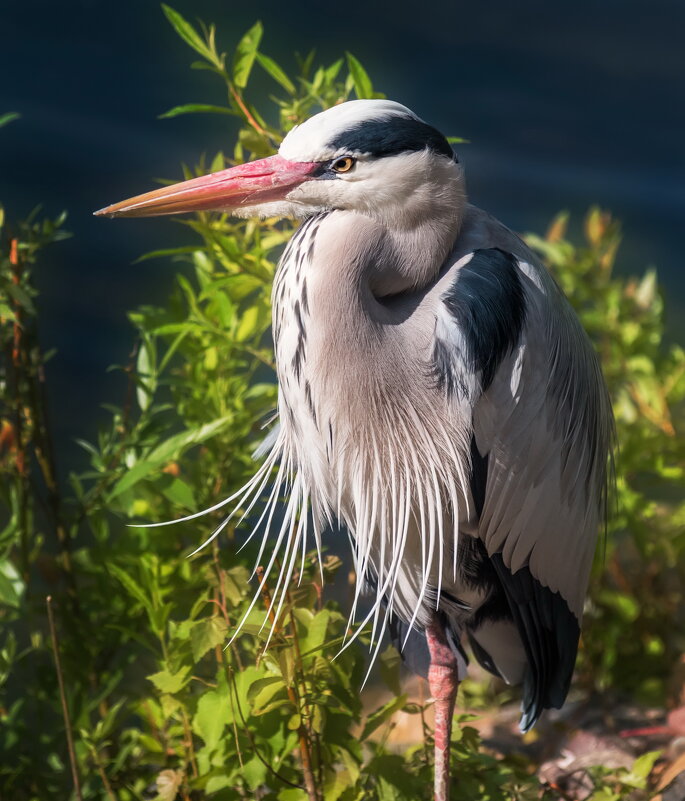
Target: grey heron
{"x":437,"y":394}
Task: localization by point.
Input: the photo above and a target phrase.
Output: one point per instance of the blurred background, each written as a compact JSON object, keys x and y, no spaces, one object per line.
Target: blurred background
{"x":564,"y":105}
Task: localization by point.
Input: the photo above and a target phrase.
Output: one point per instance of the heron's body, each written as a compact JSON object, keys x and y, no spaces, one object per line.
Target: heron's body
{"x":437,"y":395}
{"x":363,"y":438}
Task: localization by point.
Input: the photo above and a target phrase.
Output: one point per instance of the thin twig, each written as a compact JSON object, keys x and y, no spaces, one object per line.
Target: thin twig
{"x":232,"y":685}
{"x":21,"y":445}
{"x":220,"y":606}
{"x":103,"y":775}
{"x":44,"y":451}
{"x":63,"y":698}
{"x":248,"y":114}
{"x":312,"y":734}
{"x":305,"y":755}
{"x":189,"y":743}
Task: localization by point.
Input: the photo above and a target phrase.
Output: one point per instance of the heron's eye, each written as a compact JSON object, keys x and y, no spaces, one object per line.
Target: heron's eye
{"x":343,"y":165}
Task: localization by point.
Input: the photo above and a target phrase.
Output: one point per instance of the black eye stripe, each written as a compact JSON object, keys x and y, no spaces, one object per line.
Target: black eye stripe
{"x":391,"y":136}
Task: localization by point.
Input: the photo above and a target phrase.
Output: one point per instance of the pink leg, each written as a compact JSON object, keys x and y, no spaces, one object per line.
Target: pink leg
{"x":443,"y":681}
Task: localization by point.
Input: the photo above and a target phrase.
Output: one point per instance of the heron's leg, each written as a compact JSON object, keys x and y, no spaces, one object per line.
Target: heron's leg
{"x":443,"y":681}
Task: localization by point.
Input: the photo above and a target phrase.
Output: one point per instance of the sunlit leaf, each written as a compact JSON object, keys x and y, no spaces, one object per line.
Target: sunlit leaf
{"x":8,"y":117}
{"x":362,"y":83}
{"x":167,"y":682}
{"x":207,"y":634}
{"x":195,"y":108}
{"x":212,"y":715}
{"x":186,"y":31}
{"x":245,"y":55}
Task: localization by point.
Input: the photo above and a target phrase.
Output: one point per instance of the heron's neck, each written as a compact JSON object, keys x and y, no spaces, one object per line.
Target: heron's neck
{"x":388,"y":254}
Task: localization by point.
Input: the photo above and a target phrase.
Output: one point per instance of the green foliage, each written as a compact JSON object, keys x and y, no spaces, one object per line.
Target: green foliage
{"x":7,"y":118}
{"x":631,"y":632}
{"x":161,"y":702}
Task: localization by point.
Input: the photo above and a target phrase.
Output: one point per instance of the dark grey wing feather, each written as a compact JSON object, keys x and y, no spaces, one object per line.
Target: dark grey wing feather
{"x":549,"y":632}
{"x":542,"y":427}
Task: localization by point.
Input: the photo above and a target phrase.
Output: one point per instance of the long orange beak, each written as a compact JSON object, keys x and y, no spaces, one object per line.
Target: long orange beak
{"x":245,"y":185}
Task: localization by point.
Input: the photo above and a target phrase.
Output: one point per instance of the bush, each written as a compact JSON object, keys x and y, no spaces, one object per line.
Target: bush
{"x":159,"y":706}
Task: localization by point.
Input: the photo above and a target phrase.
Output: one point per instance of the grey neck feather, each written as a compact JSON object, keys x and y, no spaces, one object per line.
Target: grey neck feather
{"x":364,"y":257}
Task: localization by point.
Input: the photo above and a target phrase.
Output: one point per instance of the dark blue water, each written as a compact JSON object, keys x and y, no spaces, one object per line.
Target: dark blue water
{"x":566,"y":104}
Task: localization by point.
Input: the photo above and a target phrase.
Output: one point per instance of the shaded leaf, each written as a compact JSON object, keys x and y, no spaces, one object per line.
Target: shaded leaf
{"x":276,"y":72}
{"x":380,"y":716}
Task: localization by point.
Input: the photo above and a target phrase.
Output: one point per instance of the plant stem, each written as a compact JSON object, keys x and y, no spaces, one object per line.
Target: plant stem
{"x":258,"y":754}
{"x":313,"y":737}
{"x":189,"y":743}
{"x":305,"y":755}
{"x":246,"y":111}
{"x":63,"y":698}
{"x":17,"y":362}
{"x":103,"y":775}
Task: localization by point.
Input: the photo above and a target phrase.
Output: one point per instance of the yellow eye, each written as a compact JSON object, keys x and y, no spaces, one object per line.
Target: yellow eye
{"x":343,"y":165}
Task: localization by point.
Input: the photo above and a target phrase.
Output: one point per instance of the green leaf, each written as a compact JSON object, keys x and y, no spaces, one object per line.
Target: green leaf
{"x":9,"y":117}
{"x":262,"y":692}
{"x":249,"y":324}
{"x":642,"y":767}
{"x":207,"y":634}
{"x":253,"y":141}
{"x":131,"y":586}
{"x":194,"y":108}
{"x":164,"y":252}
{"x":186,"y":31}
{"x":165,"y":452}
{"x":167,"y":682}
{"x":260,"y":684}
{"x":276,"y":73}
{"x":292,"y":794}
{"x":213,"y":713}
{"x":180,"y":494}
{"x":254,"y":772}
{"x":380,"y":716}
{"x":316,"y":629}
{"x":194,"y":436}
{"x":146,"y":372}
{"x":362,"y":83}
{"x":245,"y":54}
{"x":11,"y":584}
{"x":21,"y":296}
{"x":218,"y":162}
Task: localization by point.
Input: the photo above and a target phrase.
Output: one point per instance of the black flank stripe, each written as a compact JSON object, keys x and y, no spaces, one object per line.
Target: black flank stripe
{"x":488,"y":303}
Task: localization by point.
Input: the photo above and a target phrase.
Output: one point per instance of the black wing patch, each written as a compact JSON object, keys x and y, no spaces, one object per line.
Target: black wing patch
{"x":488,"y":304}
{"x":479,"y":476}
{"x":549,"y":632}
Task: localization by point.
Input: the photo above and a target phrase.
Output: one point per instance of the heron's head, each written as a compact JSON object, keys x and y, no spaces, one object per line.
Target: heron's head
{"x":371,"y":156}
